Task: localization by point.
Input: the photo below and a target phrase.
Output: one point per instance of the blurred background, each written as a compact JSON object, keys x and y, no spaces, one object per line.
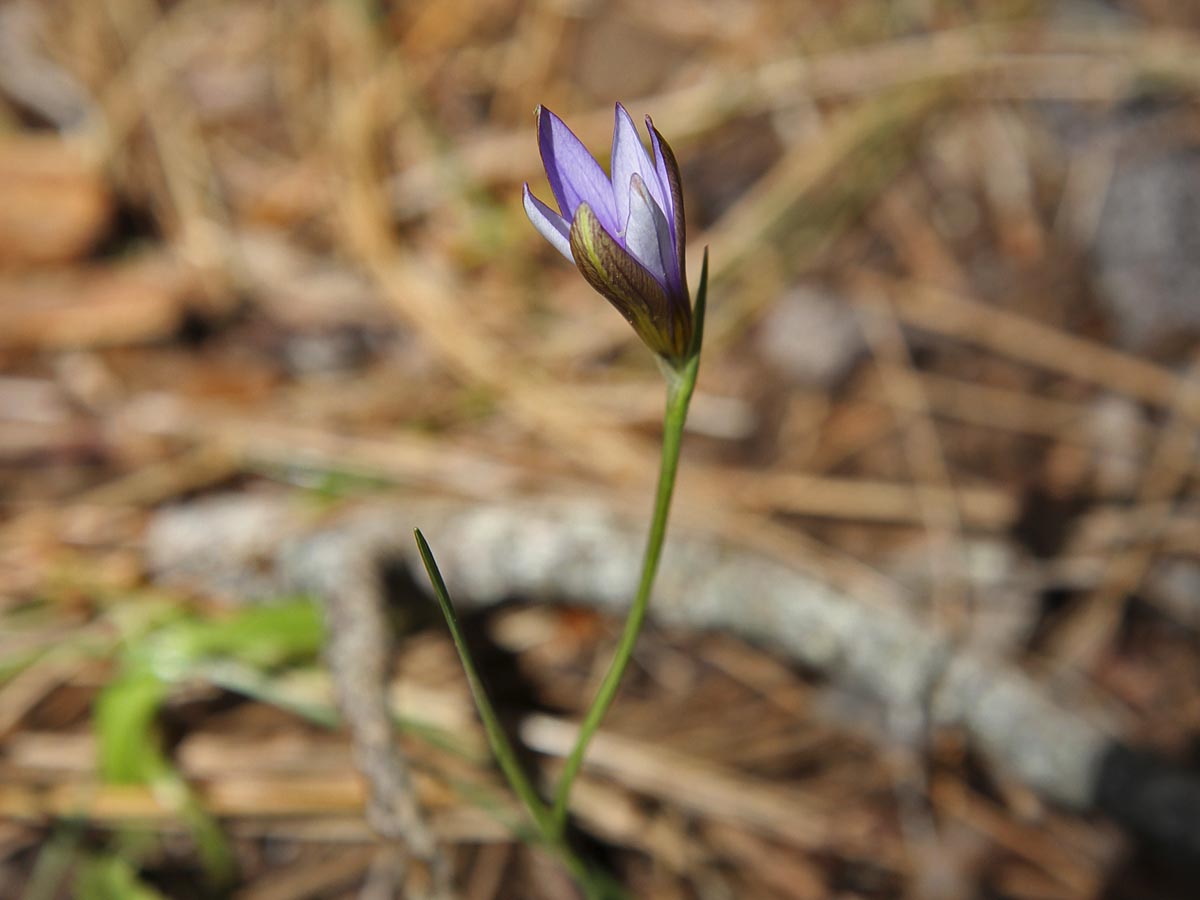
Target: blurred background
{"x":268,"y":300}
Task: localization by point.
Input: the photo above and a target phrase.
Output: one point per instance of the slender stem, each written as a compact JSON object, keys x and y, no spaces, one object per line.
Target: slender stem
{"x":677,"y":402}
{"x":680,"y":384}
{"x":551,"y":823}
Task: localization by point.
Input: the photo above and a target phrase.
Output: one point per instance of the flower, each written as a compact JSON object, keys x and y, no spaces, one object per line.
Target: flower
{"x":625,"y":234}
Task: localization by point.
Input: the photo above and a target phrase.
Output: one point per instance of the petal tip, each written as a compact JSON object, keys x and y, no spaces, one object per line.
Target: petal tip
{"x":629,"y":119}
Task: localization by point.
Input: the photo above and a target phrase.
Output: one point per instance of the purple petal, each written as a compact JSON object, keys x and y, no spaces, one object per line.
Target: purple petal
{"x":575,"y":176}
{"x":549,"y":224}
{"x":667,"y":167}
{"x":661,"y":176}
{"x":630,"y":157}
{"x":648,"y":236}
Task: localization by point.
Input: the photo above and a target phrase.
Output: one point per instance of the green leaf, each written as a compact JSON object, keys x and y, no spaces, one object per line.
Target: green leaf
{"x":125,"y":719}
{"x":699,"y":308}
{"x":501,"y":748}
{"x":111,"y":878}
{"x":261,"y":636}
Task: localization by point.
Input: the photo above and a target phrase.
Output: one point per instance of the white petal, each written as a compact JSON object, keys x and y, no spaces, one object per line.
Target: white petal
{"x":660,"y":176}
{"x":648,"y":236}
{"x":549,"y":224}
{"x":629,"y":157}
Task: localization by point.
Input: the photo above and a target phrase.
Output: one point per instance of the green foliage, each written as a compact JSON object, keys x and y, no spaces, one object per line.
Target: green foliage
{"x":265,"y":637}
{"x":161,"y":650}
{"x":124,"y":722}
{"x":111,"y":878}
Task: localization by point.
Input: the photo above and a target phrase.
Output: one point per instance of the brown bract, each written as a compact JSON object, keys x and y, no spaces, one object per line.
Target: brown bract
{"x":663,"y":325}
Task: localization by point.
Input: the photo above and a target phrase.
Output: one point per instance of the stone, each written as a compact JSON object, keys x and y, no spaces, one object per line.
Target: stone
{"x":811,"y":336}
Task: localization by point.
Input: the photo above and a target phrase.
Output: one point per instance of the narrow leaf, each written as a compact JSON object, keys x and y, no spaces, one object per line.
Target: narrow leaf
{"x":501,"y":748}
{"x":698,"y":309}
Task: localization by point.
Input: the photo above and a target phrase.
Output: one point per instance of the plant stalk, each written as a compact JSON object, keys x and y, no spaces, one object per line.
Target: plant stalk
{"x":681,"y":382}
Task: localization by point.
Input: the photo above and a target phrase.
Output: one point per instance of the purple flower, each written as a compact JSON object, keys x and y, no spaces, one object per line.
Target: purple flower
{"x":625,"y":234}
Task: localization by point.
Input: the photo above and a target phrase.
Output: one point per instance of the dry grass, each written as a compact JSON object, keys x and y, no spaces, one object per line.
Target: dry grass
{"x":276,"y":246}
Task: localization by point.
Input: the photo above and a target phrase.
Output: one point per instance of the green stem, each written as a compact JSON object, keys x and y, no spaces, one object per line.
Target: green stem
{"x":681,"y":383}
{"x":551,"y":823}
{"x":678,"y":395}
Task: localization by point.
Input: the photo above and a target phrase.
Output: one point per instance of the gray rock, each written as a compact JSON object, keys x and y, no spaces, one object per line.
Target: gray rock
{"x":811,"y":336}
{"x":1147,"y":247}
{"x":1175,"y":585}
{"x":1001,"y":605}
{"x":1117,"y":428}
{"x":224,"y":545}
